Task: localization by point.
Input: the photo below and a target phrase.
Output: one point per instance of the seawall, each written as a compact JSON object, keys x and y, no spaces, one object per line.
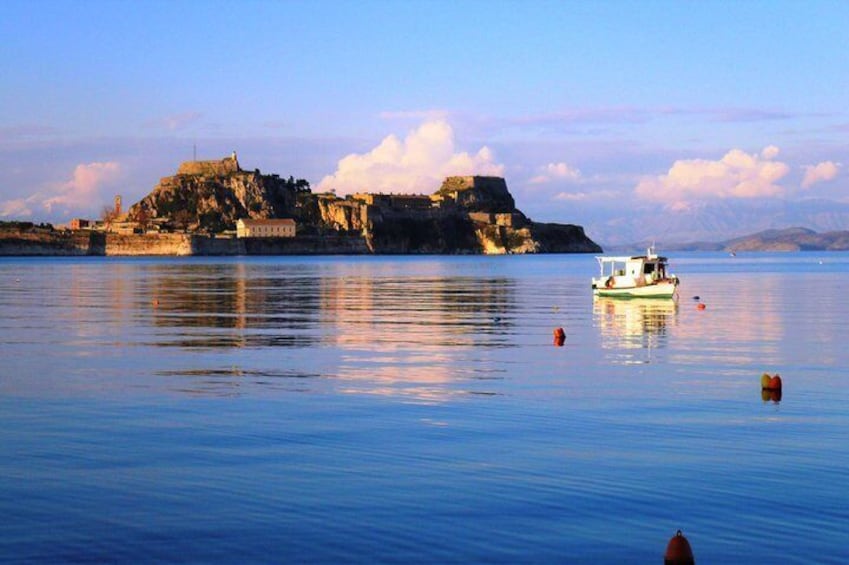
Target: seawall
{"x":79,"y":243}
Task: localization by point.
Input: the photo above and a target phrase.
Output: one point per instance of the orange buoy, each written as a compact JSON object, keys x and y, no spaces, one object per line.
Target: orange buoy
{"x":770,"y":382}
{"x":559,"y":337}
{"x":701,"y":306}
{"x":678,"y":551}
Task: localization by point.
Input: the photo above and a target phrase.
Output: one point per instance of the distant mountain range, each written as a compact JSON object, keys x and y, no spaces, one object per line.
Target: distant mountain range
{"x":789,"y":239}
{"x":720,"y":222}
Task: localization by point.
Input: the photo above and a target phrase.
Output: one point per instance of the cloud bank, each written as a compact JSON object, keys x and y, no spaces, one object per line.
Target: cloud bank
{"x":418,"y":164}
{"x":737,"y":175}
{"x":82,"y":193}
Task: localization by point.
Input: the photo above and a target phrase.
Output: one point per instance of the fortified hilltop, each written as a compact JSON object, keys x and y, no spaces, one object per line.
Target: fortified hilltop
{"x":467,"y":214}
{"x":216,"y":168}
{"x":210,"y":196}
{"x":195,"y":212}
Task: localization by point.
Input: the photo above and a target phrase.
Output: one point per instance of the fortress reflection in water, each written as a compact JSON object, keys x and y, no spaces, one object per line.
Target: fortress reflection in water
{"x":369,"y":332}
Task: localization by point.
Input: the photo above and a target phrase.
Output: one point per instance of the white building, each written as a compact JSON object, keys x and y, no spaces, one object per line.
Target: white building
{"x":246,"y":227}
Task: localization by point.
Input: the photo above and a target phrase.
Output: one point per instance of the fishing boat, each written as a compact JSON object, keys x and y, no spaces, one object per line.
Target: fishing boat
{"x":644,"y":276}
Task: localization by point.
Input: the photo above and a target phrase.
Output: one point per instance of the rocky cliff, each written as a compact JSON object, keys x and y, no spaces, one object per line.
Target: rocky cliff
{"x":478,"y":194}
{"x":212,"y":195}
{"x":468,"y":214}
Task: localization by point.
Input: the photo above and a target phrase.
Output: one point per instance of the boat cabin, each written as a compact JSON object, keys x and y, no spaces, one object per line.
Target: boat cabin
{"x":633,"y":271}
{"x":633,"y":275}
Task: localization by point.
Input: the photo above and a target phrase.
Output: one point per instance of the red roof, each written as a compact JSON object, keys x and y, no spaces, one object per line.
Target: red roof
{"x":273,"y":222}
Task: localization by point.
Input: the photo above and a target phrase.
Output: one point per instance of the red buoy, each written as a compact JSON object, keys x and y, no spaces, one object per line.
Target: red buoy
{"x":559,"y":337}
{"x":775,"y":383}
{"x":701,"y":306}
{"x":678,"y":551}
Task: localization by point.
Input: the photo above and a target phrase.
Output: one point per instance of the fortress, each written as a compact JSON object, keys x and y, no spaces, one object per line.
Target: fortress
{"x":215,"y":168}
{"x":208,"y":203}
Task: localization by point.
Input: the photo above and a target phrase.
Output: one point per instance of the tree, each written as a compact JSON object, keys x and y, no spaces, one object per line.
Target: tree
{"x":108,"y":215}
{"x":142,"y":217}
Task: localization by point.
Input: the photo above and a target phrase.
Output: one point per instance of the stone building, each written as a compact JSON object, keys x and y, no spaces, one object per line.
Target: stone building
{"x":246,"y":227}
{"x":215,"y":168}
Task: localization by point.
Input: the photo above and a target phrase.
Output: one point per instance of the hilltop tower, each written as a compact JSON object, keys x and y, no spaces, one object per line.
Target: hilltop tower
{"x":118,"y":205}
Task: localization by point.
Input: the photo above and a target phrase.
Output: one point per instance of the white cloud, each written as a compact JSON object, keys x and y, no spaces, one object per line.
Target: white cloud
{"x":82,"y":193}
{"x":418,"y":164}
{"x":598,"y":195}
{"x":770,"y":152}
{"x":556,"y":171}
{"x":571,"y":196}
{"x":820,"y":172}
{"x":19,"y":208}
{"x":83,"y":190}
{"x":429,"y":115}
{"x":736,"y":175}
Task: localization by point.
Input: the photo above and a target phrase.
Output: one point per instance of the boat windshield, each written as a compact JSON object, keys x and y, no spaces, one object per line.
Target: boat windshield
{"x":612,"y":265}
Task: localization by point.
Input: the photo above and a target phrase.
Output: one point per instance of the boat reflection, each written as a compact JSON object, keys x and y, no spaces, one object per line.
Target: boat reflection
{"x":634,"y":324}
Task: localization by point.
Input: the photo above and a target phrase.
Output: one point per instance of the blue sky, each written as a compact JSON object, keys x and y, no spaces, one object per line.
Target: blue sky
{"x":581,"y":106}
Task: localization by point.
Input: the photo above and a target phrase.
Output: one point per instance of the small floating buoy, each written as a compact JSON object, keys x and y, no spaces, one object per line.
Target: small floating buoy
{"x":696,"y":297}
{"x":678,"y":551}
{"x":771,"y":382}
{"x":701,"y":306}
{"x":559,"y":337}
{"x":155,"y":302}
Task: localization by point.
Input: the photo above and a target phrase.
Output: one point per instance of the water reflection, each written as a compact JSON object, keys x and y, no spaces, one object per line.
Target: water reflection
{"x":634,"y":324}
{"x":385,"y":314}
{"x":771,"y":395}
{"x":204,"y":301}
{"x":403,"y":336}
{"x":378,"y":331}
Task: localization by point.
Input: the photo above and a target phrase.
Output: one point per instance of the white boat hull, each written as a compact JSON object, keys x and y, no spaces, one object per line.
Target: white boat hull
{"x":662,"y":289}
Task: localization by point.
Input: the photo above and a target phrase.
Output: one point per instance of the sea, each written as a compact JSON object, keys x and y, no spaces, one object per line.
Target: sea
{"x":418,"y":410}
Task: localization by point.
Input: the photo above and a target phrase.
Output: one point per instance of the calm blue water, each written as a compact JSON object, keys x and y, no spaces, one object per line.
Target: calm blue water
{"x":309,"y":410}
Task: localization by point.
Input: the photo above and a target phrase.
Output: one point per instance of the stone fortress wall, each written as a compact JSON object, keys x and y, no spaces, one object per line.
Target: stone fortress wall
{"x":215,"y":168}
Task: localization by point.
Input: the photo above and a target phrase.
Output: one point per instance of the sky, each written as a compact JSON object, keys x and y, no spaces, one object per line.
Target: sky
{"x":596,"y":113}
